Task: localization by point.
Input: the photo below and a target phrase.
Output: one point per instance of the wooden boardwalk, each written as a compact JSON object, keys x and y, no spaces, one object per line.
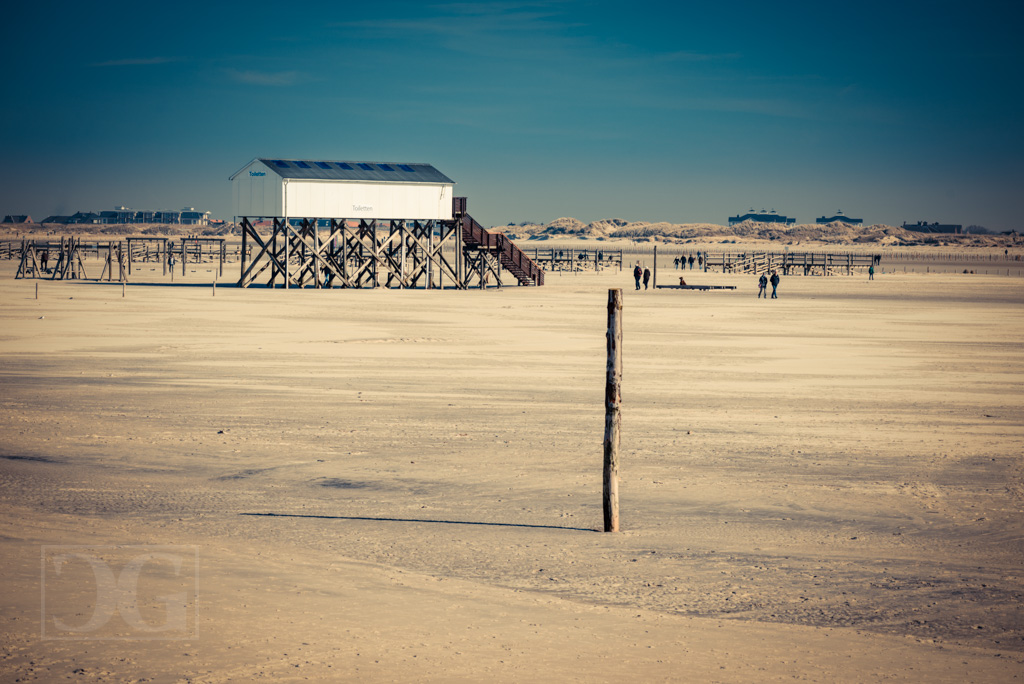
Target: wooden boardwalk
{"x":790,"y":263}
{"x":695,"y":287}
{"x":553,"y":259}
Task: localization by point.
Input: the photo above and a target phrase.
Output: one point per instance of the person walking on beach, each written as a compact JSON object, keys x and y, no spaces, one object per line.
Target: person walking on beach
{"x":762,"y":286}
{"x":647,"y":277}
{"x":871,"y":272}
{"x":676,"y":262}
{"x":775,"y":284}
{"x":637,"y":273}
{"x":691,"y":262}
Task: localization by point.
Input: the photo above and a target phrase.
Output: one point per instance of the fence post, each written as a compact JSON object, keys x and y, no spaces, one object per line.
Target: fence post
{"x":654,"y":284}
{"x":612,"y":417}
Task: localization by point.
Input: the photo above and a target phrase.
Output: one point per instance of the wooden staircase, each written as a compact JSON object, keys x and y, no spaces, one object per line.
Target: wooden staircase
{"x":513,"y":259}
{"x":755,"y":263}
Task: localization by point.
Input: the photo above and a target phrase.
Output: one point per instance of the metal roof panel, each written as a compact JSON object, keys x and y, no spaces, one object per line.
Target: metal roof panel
{"x":387,"y":172}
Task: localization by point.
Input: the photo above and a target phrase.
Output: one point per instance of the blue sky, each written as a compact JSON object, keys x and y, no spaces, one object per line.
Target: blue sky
{"x":888,"y":111}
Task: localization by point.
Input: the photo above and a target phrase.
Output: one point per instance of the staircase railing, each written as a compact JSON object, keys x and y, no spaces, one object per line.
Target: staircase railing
{"x":510,"y":256}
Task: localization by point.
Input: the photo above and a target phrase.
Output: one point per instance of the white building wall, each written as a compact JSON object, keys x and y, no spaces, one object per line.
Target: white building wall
{"x":257,"y":191}
{"x":349,"y":199}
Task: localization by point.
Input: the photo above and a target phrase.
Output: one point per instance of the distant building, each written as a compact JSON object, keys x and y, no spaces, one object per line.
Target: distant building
{"x":17,"y":218}
{"x":840,"y":217}
{"x":166,"y":217}
{"x":945,"y":228}
{"x":191,"y":217}
{"x":125,"y":215}
{"x":117,"y":215}
{"x":761,"y":217}
{"x":84,"y":217}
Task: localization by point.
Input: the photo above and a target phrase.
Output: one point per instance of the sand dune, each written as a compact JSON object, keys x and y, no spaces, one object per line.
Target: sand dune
{"x":836,"y":233}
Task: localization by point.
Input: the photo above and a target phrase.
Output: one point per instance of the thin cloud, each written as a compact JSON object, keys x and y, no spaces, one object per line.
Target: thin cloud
{"x":267,"y":78}
{"x":684,"y":56}
{"x":776,"y":107}
{"x":138,"y":61}
{"x":464,"y":25}
{"x":495,"y":7}
{"x":523,"y":31}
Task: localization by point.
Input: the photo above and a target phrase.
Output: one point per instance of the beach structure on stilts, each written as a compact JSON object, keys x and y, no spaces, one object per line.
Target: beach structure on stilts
{"x":575,"y":260}
{"x":789,"y":263}
{"x":320,"y":224}
{"x":195,"y":249}
{"x":65,"y":255}
{"x":148,"y":250}
{"x":115,"y":258}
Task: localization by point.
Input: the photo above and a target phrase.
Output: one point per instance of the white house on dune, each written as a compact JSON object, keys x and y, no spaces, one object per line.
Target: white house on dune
{"x":294,"y":188}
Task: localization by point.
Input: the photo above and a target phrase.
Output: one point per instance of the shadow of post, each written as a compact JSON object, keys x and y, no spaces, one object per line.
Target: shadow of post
{"x":419,"y":520}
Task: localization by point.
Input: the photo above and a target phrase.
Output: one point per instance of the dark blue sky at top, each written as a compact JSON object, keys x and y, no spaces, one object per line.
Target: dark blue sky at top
{"x":645,"y":111}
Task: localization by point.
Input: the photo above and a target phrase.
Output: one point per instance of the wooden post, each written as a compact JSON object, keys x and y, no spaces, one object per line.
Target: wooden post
{"x":316,"y":258}
{"x":287,"y":254}
{"x":654,"y":279}
{"x":612,"y":417}
{"x":245,"y":244}
{"x":344,"y":247}
{"x":376,"y":259}
{"x":497,"y":263}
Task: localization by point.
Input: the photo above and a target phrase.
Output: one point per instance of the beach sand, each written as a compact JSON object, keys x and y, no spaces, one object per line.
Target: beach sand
{"x":406,"y":485}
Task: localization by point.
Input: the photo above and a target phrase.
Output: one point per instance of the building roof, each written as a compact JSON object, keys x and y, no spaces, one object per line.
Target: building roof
{"x":925,"y":227}
{"x":839,"y":216}
{"x":761,"y":217}
{"x":382,"y":172}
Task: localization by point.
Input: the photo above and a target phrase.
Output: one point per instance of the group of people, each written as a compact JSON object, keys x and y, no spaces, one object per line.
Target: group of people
{"x":762,"y":285}
{"x":582,"y":256}
{"x":682,"y":260}
{"x":639,"y":273}
{"x":643,"y":275}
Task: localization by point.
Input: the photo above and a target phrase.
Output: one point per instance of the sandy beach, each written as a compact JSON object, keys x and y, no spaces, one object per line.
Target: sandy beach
{"x":404,"y":486}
